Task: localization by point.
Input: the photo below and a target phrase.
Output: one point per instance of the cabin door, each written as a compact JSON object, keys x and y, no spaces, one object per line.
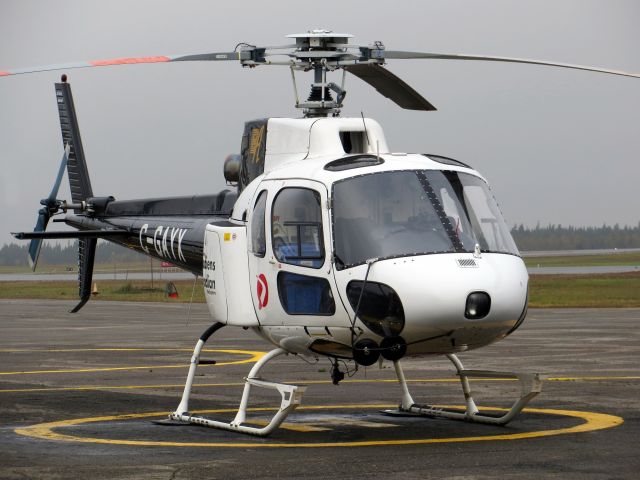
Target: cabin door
{"x":289,"y":254}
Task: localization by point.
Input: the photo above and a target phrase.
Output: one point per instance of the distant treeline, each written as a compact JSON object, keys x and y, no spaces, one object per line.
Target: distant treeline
{"x":52,"y":254}
{"x":551,"y":237}
{"x":557,"y":237}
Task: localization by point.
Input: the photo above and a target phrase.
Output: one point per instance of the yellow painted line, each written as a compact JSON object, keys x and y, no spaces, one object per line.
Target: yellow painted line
{"x":295,"y":382}
{"x":68,"y":350}
{"x":591,"y":422}
{"x":117,"y":387}
{"x":89,"y":370}
{"x":587,"y":379}
{"x":254,"y":356}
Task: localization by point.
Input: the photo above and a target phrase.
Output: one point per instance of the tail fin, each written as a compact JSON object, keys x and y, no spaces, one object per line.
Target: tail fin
{"x":86,"y":255}
{"x":76,"y":165}
{"x":79,"y":184}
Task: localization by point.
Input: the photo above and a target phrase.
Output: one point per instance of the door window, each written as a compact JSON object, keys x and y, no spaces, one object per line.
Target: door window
{"x":258,"y":237}
{"x":296,"y":227}
{"x":305,"y":295}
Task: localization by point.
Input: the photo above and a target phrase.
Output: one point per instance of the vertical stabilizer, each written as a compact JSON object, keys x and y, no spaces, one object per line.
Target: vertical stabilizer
{"x":79,"y":184}
{"x":76,"y":165}
{"x":86,"y":255}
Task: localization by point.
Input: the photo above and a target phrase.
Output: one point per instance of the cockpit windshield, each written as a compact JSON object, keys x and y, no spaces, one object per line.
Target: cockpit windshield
{"x":416,"y":212}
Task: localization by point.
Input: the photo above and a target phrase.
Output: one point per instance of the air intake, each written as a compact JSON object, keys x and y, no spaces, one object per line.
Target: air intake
{"x":467,"y":263}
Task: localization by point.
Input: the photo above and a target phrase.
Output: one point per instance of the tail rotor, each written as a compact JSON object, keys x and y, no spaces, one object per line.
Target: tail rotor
{"x":50,"y":206}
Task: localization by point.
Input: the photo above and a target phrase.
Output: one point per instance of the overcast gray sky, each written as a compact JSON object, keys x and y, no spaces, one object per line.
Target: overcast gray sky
{"x":557,"y":146}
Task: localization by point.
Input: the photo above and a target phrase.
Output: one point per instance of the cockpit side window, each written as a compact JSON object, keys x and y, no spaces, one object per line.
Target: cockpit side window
{"x":258,"y":236}
{"x":296,"y":227}
{"x":449,"y":191}
{"x":472,"y":210}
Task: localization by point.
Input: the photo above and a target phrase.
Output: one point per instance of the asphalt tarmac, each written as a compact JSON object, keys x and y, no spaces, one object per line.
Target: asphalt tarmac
{"x":78,"y":394}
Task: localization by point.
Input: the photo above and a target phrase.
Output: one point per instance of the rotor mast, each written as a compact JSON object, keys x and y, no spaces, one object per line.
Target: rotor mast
{"x":321,"y":51}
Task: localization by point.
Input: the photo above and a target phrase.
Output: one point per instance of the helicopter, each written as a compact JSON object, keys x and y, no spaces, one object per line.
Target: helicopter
{"x":332,"y":245}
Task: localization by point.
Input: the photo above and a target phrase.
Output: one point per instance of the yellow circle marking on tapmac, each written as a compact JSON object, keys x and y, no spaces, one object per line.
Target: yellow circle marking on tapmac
{"x":591,"y":421}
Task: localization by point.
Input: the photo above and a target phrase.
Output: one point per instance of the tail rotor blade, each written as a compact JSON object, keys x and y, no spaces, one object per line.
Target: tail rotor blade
{"x":49,"y":206}
{"x":36,"y":243}
{"x":34,"y":253}
{"x":63,"y":165}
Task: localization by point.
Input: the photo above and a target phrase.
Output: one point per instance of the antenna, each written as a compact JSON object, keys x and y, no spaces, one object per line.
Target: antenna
{"x":365,"y":128}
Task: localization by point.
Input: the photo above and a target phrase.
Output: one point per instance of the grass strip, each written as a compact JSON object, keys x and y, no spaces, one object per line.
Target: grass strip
{"x":545,"y":291}
{"x":605,"y":260}
{"x":121,"y":290}
{"x":611,"y":290}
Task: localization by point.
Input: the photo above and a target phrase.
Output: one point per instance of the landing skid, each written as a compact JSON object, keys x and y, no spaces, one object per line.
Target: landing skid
{"x":531,"y":385}
{"x":291,"y":396}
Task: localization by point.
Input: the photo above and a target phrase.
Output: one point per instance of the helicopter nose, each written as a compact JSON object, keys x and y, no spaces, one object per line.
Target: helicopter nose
{"x":431,"y":304}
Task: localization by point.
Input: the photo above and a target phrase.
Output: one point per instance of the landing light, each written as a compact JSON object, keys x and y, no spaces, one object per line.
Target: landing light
{"x":478,"y":305}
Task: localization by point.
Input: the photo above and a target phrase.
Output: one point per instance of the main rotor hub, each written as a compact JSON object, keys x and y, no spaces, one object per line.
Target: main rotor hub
{"x":322,"y":51}
{"x":320,"y":40}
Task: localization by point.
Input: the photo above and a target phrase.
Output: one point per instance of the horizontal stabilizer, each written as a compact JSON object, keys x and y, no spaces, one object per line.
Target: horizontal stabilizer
{"x":70,"y":234}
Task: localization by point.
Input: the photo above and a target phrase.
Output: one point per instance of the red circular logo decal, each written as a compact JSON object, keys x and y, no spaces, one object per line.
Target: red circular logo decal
{"x":263,"y":291}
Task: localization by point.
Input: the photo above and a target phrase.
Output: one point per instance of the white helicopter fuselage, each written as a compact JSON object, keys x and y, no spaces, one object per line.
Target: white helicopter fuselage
{"x":337,"y":224}
{"x":333,"y":245}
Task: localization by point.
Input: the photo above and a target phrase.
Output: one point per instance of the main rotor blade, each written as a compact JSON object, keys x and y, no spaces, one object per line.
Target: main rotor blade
{"x":209,"y":57}
{"x":445,"y":56}
{"x":390,"y":85}
{"x":220,"y":56}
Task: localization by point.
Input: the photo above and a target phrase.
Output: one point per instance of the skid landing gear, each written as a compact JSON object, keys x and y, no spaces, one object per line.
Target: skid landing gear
{"x":291,"y":395}
{"x":531,"y":385}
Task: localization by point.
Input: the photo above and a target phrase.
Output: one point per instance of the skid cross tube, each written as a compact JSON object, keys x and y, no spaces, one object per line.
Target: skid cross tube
{"x":530,"y":383}
{"x":291,"y":396}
